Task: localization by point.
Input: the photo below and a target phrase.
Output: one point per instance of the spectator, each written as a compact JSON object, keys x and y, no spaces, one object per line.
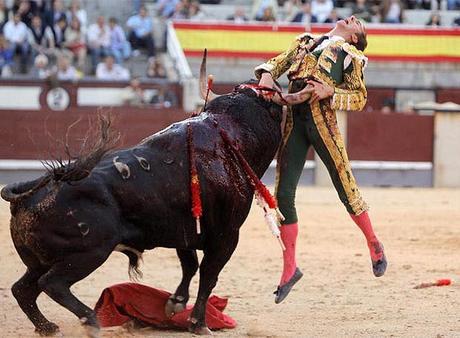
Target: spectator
{"x":195,"y":13}
{"x":424,"y":4}
{"x":119,"y":46}
{"x":41,"y":38}
{"x":47,"y":13}
{"x":141,"y":32}
{"x":181,"y":12}
{"x":388,"y":105}
{"x":58,"y":11}
{"x":65,"y":71}
{"x":411,"y":4}
{"x":456,"y":22}
{"x":259,"y":7}
{"x":75,"y":10}
{"x":435,"y":20}
{"x":361,"y":10}
{"x":166,"y":8}
{"x":75,"y":42}
{"x":453,"y":4}
{"x":16,"y":33}
{"x":267,"y":16}
{"x":59,"y":29}
{"x":110,"y":71}
{"x":238,"y":16}
{"x":163,"y":98}
{"x":321,"y":9}
{"x":25,"y":10}
{"x":291,"y":8}
{"x":4,"y":12}
{"x":40,"y":69}
{"x":333,"y":17}
{"x":133,"y":95}
{"x":391,"y":11}
{"x":156,"y":69}
{"x":6,"y":57}
{"x":98,"y":41}
{"x":305,"y":16}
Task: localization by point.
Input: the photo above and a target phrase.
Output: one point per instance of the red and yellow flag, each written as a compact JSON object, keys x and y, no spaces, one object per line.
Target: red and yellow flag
{"x":390,"y":43}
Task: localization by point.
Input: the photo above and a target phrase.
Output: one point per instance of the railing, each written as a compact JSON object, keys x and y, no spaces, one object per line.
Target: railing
{"x":176,"y":53}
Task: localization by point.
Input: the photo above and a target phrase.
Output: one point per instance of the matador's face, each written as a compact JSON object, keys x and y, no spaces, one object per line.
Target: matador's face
{"x":350,"y":26}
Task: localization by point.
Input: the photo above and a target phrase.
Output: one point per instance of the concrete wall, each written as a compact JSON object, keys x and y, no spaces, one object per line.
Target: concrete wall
{"x":447,"y":149}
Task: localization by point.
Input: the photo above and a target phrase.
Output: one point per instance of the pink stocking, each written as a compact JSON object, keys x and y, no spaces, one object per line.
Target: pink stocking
{"x":289,"y":237}
{"x":364,"y":223}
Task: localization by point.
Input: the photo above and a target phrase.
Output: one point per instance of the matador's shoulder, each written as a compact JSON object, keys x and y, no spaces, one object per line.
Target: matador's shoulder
{"x":304,"y":37}
{"x":353,"y":53}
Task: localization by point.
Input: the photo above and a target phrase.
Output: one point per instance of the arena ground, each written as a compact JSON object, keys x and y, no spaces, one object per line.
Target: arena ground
{"x":338,"y":296}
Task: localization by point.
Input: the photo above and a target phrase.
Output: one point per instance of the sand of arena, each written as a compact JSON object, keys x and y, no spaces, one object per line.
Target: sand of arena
{"x":338,"y":295}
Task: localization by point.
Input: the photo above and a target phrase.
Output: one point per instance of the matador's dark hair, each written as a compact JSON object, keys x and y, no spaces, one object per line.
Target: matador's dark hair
{"x":361,"y":44}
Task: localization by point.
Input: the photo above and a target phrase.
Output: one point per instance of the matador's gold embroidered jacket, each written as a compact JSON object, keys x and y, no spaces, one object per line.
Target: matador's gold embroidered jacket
{"x":350,"y":92}
{"x":340,"y":65}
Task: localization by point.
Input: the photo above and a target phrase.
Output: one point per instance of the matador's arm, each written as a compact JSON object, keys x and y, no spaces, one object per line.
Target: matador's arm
{"x":278,"y":65}
{"x":351,"y":95}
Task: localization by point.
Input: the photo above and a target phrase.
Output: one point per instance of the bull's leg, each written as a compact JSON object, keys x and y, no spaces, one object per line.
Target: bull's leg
{"x":189,"y":263}
{"x":57,"y":281}
{"x":26,"y":291}
{"x":214,"y":260}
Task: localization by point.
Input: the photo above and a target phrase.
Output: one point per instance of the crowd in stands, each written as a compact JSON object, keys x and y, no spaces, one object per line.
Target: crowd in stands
{"x":45,"y":38}
{"x":312,"y":11}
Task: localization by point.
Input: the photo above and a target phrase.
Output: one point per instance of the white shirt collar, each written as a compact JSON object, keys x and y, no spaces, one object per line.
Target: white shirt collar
{"x":326,"y":42}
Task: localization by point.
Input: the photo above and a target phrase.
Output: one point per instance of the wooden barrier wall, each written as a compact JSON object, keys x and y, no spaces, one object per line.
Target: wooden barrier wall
{"x":40,"y":135}
{"x":390,"y":137}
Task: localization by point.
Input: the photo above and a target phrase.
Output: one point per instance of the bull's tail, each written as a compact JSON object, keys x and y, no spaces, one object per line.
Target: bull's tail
{"x":135,"y":258}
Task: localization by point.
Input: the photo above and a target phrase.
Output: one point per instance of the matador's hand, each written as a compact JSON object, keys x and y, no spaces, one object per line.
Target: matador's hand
{"x":266,"y":80}
{"x":319,"y":91}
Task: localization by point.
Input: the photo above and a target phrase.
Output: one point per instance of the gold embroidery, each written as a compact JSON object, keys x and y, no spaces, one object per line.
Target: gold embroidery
{"x":326,"y":124}
{"x":331,"y":53}
{"x":325,"y":64}
{"x":352,"y":90}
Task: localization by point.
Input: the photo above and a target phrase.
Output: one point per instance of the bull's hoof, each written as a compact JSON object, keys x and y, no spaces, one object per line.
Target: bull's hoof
{"x":200,"y":330}
{"x":47,"y":329}
{"x":174,"y":305}
{"x":92,"y":331}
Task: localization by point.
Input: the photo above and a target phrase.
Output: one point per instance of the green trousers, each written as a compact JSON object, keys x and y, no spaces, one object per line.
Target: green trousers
{"x":321,"y":132}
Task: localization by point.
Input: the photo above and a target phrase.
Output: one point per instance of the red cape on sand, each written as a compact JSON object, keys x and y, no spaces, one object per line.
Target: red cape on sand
{"x":121,"y":303}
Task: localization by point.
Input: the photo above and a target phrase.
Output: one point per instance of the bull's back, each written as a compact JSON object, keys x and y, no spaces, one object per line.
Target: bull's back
{"x":154,"y":193}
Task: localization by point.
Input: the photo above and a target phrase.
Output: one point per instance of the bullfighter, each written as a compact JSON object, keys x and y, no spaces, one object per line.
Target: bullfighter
{"x":330,"y":70}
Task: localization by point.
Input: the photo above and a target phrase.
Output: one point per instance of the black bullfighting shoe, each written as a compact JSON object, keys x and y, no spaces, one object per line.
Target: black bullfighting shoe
{"x":379,"y":266}
{"x":283,"y":290}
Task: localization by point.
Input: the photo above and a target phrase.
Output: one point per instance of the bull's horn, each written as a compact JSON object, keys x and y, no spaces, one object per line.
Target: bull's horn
{"x":16,"y":191}
{"x":203,"y":87}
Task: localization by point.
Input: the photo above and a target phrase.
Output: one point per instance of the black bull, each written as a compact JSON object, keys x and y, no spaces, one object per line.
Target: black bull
{"x":64,"y":229}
